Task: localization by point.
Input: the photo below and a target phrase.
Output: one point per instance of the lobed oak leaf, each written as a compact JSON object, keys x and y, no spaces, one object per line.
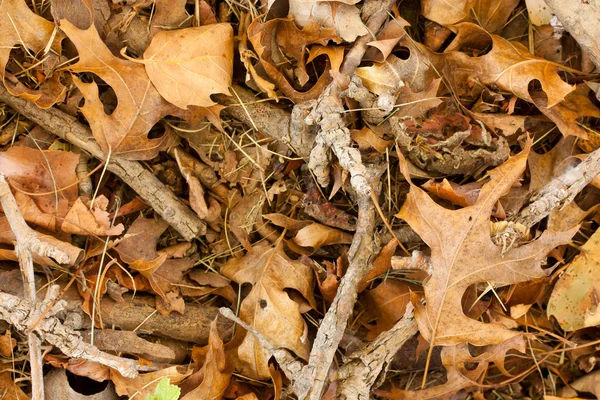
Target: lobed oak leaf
{"x":124,"y":133}
{"x":269,"y":308}
{"x":463,"y":254}
{"x":20,"y":26}
{"x":188,"y":65}
{"x":508,"y":65}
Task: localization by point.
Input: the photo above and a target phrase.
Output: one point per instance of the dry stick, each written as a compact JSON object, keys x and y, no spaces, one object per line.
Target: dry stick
{"x":580,"y":18}
{"x":311,"y":382}
{"x":27,"y":243}
{"x":22,"y":313}
{"x":154,"y":193}
{"x":368,"y":366}
{"x":560,"y":191}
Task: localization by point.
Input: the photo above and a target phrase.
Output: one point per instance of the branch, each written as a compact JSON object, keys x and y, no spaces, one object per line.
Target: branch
{"x":560,"y":191}
{"x":364,"y":368}
{"x":154,"y":193}
{"x":22,"y":313}
{"x":311,"y":382}
{"x":580,"y":18}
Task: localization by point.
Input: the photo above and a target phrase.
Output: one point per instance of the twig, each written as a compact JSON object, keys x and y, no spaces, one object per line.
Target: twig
{"x":560,"y":191}
{"x":22,"y":313}
{"x":27,"y":243}
{"x":364,"y":368}
{"x":311,"y":382}
{"x":154,"y":193}
{"x":580,"y":18}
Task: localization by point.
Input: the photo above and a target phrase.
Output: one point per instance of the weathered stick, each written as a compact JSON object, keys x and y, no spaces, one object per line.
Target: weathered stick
{"x":22,"y":313}
{"x":27,"y":243}
{"x":157,"y":195}
{"x":368,"y":366}
{"x":560,"y":191}
{"x":580,"y":18}
{"x":311,"y":382}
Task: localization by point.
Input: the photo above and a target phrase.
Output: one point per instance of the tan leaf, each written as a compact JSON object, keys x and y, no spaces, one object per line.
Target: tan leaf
{"x":188,"y":65}
{"x":138,"y":388}
{"x":574,"y":301}
{"x":124,"y":133}
{"x":268,"y":307}
{"x":463,"y":254}
{"x":20,"y":26}
{"x":316,"y":235}
{"x":80,"y":220}
{"x":216,"y":371}
{"x":508,"y":65}
{"x":8,"y":387}
{"x":490,"y":14}
{"x":367,"y":139}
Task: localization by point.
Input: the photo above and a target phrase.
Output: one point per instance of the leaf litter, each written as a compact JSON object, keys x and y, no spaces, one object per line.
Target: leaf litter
{"x":361,"y":177}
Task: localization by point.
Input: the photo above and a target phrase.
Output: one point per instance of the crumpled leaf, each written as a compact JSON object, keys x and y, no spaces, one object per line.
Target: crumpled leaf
{"x":80,"y":220}
{"x":463,"y":253}
{"x":216,"y":372}
{"x":281,"y":35}
{"x":490,"y":14}
{"x":124,"y":133}
{"x":144,"y":384}
{"x":188,"y":65}
{"x":316,"y":235}
{"x":268,"y":308}
{"x":342,"y":16}
{"x":20,"y":26}
{"x":574,"y":301}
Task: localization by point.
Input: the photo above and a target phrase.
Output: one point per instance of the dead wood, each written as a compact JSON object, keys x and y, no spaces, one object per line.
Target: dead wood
{"x":22,"y":313}
{"x":580,"y":18}
{"x":154,"y":193}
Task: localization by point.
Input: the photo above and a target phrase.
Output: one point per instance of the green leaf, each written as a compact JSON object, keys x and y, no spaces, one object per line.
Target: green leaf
{"x":165,"y":391}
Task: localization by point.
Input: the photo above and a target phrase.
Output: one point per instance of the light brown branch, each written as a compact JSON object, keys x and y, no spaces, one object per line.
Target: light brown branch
{"x":22,"y":313}
{"x":154,"y":193}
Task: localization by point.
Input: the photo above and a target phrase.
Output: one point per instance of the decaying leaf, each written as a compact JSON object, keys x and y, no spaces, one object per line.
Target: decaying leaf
{"x":124,"y":133}
{"x":188,"y":65}
{"x":490,"y":14}
{"x":145,"y":384}
{"x":317,"y":235}
{"x":20,"y":26}
{"x":574,"y":300}
{"x":268,"y":308}
{"x":463,"y":253}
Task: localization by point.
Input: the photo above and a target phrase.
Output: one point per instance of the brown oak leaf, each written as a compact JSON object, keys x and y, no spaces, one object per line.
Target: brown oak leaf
{"x":463,"y":254}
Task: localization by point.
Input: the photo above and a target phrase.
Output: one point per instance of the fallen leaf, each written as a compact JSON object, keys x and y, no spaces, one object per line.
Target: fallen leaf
{"x":188,"y":65}
{"x":8,"y":387}
{"x":490,"y":14}
{"x":317,"y":235}
{"x":124,"y":133}
{"x":574,"y":299}
{"x":7,"y":344}
{"x":80,"y":220}
{"x":23,"y":27}
{"x":268,"y":307}
{"x":343,"y":16}
{"x":145,"y":384}
{"x":463,"y":254}
{"x":367,"y":139}
{"x":216,"y":372}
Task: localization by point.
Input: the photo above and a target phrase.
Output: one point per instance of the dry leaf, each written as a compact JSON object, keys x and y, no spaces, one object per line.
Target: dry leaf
{"x":124,"y":133}
{"x":188,"y":65}
{"x":144,"y":384}
{"x":574,"y":300}
{"x":80,"y":220}
{"x":317,"y":235}
{"x":367,"y":139}
{"x":463,"y":254}
{"x":22,"y":27}
{"x":215,"y":370}
{"x":345,"y":18}
{"x":490,"y":14}
{"x":268,"y":307}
